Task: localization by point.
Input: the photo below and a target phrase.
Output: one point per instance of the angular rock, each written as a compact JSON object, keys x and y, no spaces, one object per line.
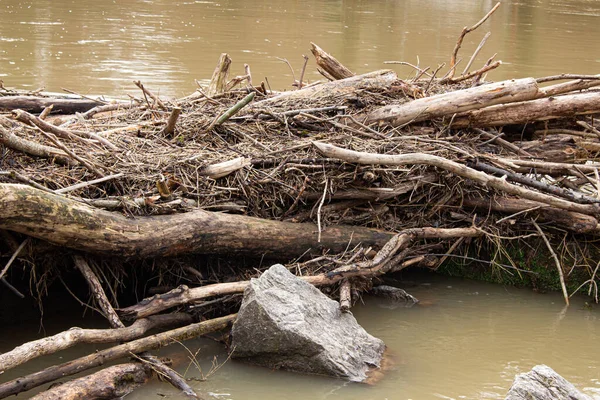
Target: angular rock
{"x":543,"y":383}
{"x":287,"y":323}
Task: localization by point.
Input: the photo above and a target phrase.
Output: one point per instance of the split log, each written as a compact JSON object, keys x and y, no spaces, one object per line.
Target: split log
{"x":54,"y":372}
{"x":218,"y":82}
{"x":332,"y":91}
{"x":482,"y":178}
{"x":72,"y":224}
{"x":329,"y":64}
{"x":454,"y":102}
{"x":64,"y":340}
{"x":110,"y":383}
{"x":534,"y":110}
{"x":37,"y":104}
{"x":184,"y":295}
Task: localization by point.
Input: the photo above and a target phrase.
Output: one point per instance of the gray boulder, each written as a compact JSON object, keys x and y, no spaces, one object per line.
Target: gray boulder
{"x":543,"y":383}
{"x":287,"y":323}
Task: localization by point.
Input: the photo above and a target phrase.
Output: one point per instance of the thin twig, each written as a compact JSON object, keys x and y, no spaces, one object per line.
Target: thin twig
{"x":556,"y":261}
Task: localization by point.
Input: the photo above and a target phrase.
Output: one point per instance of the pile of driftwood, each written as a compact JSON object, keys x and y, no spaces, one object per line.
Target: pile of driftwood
{"x":344,"y":180}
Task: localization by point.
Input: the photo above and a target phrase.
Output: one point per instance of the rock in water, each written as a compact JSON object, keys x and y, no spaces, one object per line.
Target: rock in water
{"x":543,"y":383}
{"x":287,"y":323}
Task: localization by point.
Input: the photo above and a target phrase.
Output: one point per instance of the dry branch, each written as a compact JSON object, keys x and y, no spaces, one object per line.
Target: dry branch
{"x":102,"y":357}
{"x":38,"y":104}
{"x":329,"y":64}
{"x":64,"y":340}
{"x":456,"y":168}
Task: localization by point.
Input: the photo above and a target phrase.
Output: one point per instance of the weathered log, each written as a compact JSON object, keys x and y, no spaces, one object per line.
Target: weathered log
{"x":454,"y":102}
{"x":71,"y":224}
{"x":184,"y":295}
{"x":110,"y":383}
{"x":218,"y":82}
{"x":533,"y":110}
{"x":572,"y":221}
{"x":101,"y":357}
{"x":329,"y":63}
{"x":482,"y":178}
{"x":33,"y":149}
{"x":333,"y":91}
{"x":66,"y":339}
{"x":37,"y":104}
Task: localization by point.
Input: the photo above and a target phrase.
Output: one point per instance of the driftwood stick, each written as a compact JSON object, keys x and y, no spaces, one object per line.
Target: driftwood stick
{"x":302,"y":72}
{"x":98,"y":292}
{"x":88,"y":183}
{"x":233,"y":110}
{"x":456,"y":168}
{"x":502,"y":142}
{"x":110,"y":383}
{"x":66,"y":339}
{"x":345,"y":295}
{"x":150,"y":94}
{"x":218,"y":82}
{"x":486,"y":68}
{"x":64,"y":148}
{"x":32,"y":120}
{"x":219,"y":170}
{"x":13,"y":258}
{"x":462,"y":36}
{"x":184,"y":295}
{"x":556,"y":261}
{"x":169,"y":375}
{"x":577,"y":197}
{"x":571,"y":86}
{"x":98,"y":358}
{"x":35,"y":104}
{"x":169,"y":129}
{"x":46,"y":111}
{"x":330,"y":64}
{"x":477,"y":50}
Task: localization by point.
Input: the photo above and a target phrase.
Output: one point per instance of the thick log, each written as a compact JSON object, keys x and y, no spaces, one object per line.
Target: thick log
{"x":534,"y":110}
{"x":37,"y":104}
{"x":332,"y":91}
{"x":110,"y":383}
{"x":66,"y":339}
{"x":482,"y":178}
{"x":455,"y":102}
{"x":71,"y":224}
{"x":329,"y":63}
{"x":114,"y":353}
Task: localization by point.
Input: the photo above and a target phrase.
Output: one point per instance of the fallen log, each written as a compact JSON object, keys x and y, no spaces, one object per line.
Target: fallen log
{"x":54,"y":372}
{"x":534,"y":110}
{"x":74,"y":336}
{"x":331,"y":91}
{"x":454,"y":102}
{"x":110,"y":383}
{"x":66,"y":222}
{"x":38,"y":104}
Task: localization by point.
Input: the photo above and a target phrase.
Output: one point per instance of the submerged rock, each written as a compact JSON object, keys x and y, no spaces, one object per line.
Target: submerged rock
{"x":543,"y":383}
{"x":287,"y":323}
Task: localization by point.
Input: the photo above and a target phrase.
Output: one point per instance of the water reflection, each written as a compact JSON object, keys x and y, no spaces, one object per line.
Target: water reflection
{"x":92,"y":46}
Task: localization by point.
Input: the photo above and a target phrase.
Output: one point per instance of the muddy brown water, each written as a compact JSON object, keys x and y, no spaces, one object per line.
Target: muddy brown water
{"x":467,"y":342}
{"x":102,"y":46}
{"x":472,"y":338}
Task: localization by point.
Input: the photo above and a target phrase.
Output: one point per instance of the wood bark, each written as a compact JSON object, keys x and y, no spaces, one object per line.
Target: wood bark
{"x":37,"y":104}
{"x":54,"y":372}
{"x":529,"y":111}
{"x":458,"y":169}
{"x":454,"y":102}
{"x":66,"y":339}
{"x":110,"y":383}
{"x":313,"y":95}
{"x":33,"y":149}
{"x":329,"y":63}
{"x":71,"y":224}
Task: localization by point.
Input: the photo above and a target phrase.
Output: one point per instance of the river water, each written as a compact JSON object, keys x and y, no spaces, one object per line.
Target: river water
{"x":102,"y":46}
{"x":469,"y":339}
